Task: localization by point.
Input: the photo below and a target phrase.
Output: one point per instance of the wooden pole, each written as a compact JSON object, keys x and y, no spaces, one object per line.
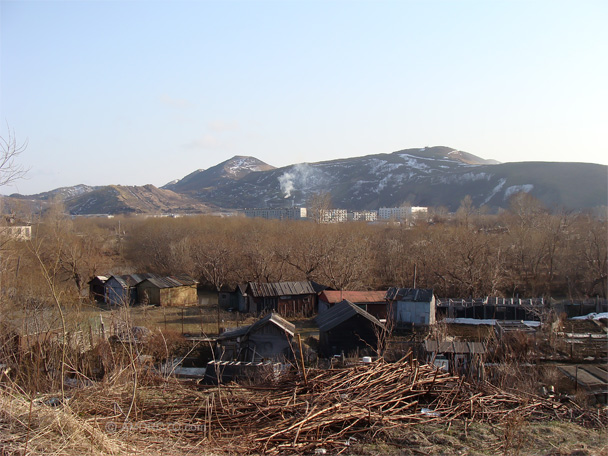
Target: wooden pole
{"x":302,"y":360}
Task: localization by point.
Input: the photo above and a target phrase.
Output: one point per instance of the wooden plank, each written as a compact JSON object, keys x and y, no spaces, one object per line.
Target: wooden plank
{"x":599,"y":372}
{"x":583,"y":377}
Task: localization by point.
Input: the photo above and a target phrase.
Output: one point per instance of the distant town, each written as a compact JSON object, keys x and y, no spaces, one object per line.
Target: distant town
{"x":404,"y":213}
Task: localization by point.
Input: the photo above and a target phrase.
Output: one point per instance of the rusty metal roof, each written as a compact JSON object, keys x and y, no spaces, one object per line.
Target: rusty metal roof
{"x":260,"y":290}
{"x":342,"y":312}
{"x":332,"y":297}
{"x":410,"y":294}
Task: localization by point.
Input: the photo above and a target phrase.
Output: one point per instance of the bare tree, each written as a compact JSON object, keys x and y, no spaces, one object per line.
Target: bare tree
{"x":318,"y":204}
{"x":10,"y":149}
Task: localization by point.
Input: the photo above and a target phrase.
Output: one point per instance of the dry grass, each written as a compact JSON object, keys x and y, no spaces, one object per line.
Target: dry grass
{"x":94,"y":421}
{"x":39,"y":428}
{"x":482,"y":439}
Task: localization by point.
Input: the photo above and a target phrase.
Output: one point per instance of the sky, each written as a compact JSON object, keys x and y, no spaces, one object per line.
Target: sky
{"x":144,"y":92}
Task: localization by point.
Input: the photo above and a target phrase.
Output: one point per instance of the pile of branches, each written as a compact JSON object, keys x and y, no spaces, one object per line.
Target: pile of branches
{"x":332,"y":408}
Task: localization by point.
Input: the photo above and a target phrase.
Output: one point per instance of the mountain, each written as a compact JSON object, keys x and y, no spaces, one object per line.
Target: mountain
{"x":64,"y":193}
{"x":109,"y":199}
{"x":231,"y":170}
{"x":118,"y":199}
{"x":431,"y":176}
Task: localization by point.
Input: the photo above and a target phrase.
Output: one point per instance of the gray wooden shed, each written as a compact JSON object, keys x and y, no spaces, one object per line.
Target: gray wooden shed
{"x":411,"y":306}
{"x":269,"y":338}
{"x":346,"y":328}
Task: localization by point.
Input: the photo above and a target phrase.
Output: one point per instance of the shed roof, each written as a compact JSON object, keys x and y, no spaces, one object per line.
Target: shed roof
{"x":410,"y":294}
{"x":272,"y":317}
{"x":589,"y":376}
{"x":515,"y":326}
{"x":259,"y":290}
{"x":333,"y":297}
{"x":171,"y":281}
{"x":342,"y":312}
{"x":131,"y":280}
{"x":99,"y":278}
{"x":242,"y":288}
{"x":457,"y":347}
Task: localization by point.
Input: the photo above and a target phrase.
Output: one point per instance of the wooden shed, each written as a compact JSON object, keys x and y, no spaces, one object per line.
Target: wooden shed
{"x":269,"y":338}
{"x":346,"y":328}
{"x":411,"y":306}
{"x":122,"y":290}
{"x":290,"y":299}
{"x":171,"y":291}
{"x":463,"y":357}
{"x":97,"y":286}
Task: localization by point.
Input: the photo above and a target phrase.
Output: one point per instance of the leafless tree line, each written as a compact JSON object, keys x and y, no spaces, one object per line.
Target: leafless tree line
{"x":523,"y":252}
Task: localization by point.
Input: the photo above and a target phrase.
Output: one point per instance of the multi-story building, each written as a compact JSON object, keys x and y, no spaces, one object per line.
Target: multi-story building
{"x":283,"y":213}
{"x":333,"y":215}
{"x":365,"y":216}
{"x":401,"y":213}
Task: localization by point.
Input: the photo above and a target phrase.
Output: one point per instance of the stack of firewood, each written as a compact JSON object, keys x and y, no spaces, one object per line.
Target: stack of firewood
{"x":328,"y":409}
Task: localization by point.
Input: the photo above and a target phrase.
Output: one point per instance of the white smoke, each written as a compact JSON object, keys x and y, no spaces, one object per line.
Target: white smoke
{"x":286,"y":183}
{"x":300,"y":176}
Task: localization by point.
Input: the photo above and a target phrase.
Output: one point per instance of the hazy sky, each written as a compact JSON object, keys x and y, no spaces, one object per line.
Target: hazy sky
{"x":138,"y":92}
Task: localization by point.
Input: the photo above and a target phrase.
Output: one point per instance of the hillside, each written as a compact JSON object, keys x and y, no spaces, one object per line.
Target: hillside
{"x":436,"y":176}
{"x":118,"y":199}
{"x":431,"y":176}
{"x":231,"y":170}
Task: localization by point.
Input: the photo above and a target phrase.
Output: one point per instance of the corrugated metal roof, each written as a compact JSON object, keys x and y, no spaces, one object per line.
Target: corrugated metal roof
{"x":272,"y":317}
{"x":410,"y":294}
{"x":132,"y":280}
{"x":341,"y":312}
{"x":260,"y":290}
{"x":172,"y":281}
{"x":332,"y":297}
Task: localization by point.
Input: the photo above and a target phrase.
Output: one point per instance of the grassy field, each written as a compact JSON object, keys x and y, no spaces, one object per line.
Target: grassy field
{"x":194,"y":320}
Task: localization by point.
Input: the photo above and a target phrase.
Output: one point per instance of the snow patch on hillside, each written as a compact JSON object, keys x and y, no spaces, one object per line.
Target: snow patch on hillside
{"x":413,"y":162}
{"x":495,"y":190}
{"x":474,"y":177}
{"x":378,"y":166}
{"x":514,"y":189}
{"x":237,"y":165}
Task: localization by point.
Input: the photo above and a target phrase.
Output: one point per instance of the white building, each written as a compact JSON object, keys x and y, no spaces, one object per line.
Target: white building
{"x":402,"y":213}
{"x":333,"y":215}
{"x":365,"y":216}
{"x":284,"y":213}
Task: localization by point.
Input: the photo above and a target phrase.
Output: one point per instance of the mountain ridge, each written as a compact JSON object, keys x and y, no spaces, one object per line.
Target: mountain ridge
{"x":429,"y":176}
